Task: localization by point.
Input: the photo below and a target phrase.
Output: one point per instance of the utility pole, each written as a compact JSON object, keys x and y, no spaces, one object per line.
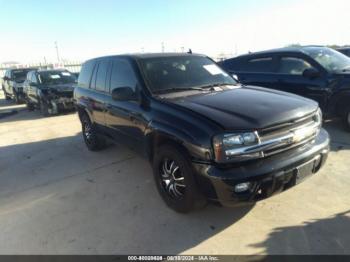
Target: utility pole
{"x":57,"y":53}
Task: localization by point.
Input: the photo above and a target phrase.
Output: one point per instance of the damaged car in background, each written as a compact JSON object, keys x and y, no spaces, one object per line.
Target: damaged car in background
{"x":12,"y":85}
{"x":51,"y":91}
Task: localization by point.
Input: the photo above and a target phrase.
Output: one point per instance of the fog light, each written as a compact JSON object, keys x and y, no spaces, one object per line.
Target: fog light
{"x":242,"y":187}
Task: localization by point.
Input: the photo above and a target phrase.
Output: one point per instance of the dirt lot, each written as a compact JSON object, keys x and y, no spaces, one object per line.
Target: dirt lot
{"x":56,"y":197}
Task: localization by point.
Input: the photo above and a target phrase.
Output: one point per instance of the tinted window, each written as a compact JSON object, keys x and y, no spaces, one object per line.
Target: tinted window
{"x":123,"y":75}
{"x":54,"y":77}
{"x":262,"y":65}
{"x":293,"y":66}
{"x":85,"y":74}
{"x":101,"y":75}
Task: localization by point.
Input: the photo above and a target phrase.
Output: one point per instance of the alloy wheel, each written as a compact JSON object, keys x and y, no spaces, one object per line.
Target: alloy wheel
{"x":172,"y":179}
{"x":87,"y":131}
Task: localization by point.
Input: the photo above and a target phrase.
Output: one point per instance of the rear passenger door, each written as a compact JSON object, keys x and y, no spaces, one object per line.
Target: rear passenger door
{"x":125,"y":119}
{"x":291,"y":79}
{"x":99,"y":84}
{"x":259,"y":71}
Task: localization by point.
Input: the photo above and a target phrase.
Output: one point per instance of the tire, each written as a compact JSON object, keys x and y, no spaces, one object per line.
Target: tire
{"x":93,"y":140}
{"x":30,"y":106}
{"x":44,"y":108}
{"x":346,"y":119}
{"x":174,"y":179}
{"x":16,"y":98}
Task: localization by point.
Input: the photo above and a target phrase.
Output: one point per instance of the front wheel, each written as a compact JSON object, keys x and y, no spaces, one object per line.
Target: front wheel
{"x":30,"y":106}
{"x":174,"y":179}
{"x":44,"y":108}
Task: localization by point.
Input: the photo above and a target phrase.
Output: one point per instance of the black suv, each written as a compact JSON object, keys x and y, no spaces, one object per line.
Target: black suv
{"x":318,"y":73}
{"x":12,"y":85}
{"x":51,"y":91}
{"x":207,"y":137}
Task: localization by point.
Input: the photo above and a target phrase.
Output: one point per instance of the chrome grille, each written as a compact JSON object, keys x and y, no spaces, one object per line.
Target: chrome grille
{"x":290,"y":135}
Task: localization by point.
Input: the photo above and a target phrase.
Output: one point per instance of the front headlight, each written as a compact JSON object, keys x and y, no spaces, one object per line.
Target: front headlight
{"x":318,"y":117}
{"x":230,"y":147}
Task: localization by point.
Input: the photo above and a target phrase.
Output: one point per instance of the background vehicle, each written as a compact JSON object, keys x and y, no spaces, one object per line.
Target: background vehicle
{"x":344,"y":50}
{"x":318,"y":73}
{"x":49,"y":90}
{"x":12,"y":85}
{"x":207,"y":137}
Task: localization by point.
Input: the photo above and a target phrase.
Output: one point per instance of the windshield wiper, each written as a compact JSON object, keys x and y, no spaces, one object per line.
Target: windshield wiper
{"x":174,"y":89}
{"x":345,"y":69}
{"x":212,"y":86}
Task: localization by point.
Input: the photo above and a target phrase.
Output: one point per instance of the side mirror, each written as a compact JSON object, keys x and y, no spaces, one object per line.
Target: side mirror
{"x":311,"y":73}
{"x":123,"y":94}
{"x":6,"y":78}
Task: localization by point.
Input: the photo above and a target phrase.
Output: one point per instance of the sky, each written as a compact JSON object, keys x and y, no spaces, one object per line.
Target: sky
{"x":90,"y":28}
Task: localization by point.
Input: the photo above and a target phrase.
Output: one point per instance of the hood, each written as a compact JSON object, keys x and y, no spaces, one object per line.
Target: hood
{"x":248,"y":108}
{"x":61,"y":87}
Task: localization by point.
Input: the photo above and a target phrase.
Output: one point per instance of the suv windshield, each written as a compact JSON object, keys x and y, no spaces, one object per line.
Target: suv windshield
{"x":56,"y":77}
{"x":333,"y":61}
{"x":178,"y":73}
{"x":19,"y":75}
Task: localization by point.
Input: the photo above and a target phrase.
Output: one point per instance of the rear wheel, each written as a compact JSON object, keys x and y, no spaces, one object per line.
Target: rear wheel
{"x":92,"y":139}
{"x":174,"y":179}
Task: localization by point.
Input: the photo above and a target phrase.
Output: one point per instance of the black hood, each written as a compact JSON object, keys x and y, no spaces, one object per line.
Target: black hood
{"x":248,"y":108}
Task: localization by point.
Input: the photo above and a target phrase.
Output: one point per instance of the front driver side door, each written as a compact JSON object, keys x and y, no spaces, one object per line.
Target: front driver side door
{"x":126,"y":120}
{"x":290,"y":79}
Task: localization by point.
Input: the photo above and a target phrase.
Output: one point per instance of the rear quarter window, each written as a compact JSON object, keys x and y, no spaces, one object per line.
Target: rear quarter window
{"x":85,"y":74}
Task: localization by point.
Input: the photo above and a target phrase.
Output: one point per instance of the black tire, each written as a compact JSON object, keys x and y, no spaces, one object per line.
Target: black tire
{"x":44,"y":108}
{"x":30,"y":106}
{"x":178,"y":190}
{"x":16,"y":97}
{"x":93,"y":140}
{"x":346,"y":119}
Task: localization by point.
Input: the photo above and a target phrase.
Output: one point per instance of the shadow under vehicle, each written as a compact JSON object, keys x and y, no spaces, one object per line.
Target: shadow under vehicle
{"x":51,"y":91}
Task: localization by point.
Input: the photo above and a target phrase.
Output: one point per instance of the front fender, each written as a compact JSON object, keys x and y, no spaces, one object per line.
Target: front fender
{"x":159,"y":133}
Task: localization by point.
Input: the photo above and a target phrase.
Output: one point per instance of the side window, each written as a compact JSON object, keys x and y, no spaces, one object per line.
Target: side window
{"x":259,"y":65}
{"x":85,"y":74}
{"x":292,"y":66}
{"x":122,"y":75}
{"x":101,"y":75}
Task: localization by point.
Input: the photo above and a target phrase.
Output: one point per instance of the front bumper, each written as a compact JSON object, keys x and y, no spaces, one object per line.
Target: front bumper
{"x":266,"y":176}
{"x":61,"y":103}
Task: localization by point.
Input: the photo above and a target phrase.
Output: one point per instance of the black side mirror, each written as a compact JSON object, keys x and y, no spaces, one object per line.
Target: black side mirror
{"x":123,"y":94}
{"x":6,"y":78}
{"x":311,"y":73}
